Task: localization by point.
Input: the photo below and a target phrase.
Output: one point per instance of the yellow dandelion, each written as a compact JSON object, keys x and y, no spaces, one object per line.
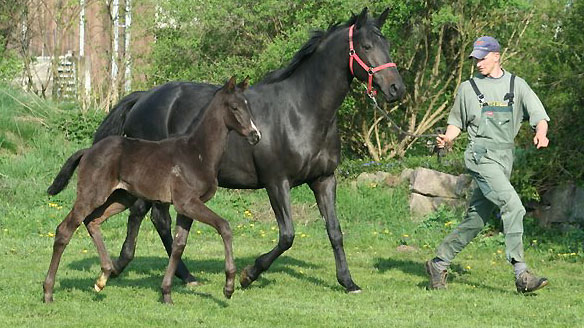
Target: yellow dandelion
{"x":467,"y":267}
{"x":263,"y":234}
{"x":247,"y":214}
{"x":50,"y":234}
{"x":534,"y":241}
{"x":273,"y":228}
{"x":251,"y":225}
{"x":84,"y":251}
{"x":499,"y":251}
{"x":386,"y":231}
{"x":5,"y":230}
{"x":303,"y":235}
{"x":239,"y":226}
{"x":448,"y":224}
{"x":273,"y":240}
{"x":373,"y":185}
{"x":199,"y":232}
{"x":375,"y":233}
{"x":493,"y":262}
{"x":405,"y":235}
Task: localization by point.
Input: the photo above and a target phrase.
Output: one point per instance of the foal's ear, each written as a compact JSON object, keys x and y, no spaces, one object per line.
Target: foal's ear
{"x":243,"y":84}
{"x":230,"y":85}
{"x":362,"y":19}
{"x":381,"y":19}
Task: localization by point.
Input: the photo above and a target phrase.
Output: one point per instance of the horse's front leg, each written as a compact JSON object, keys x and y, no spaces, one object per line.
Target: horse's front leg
{"x":279,"y":194}
{"x":325,"y":192}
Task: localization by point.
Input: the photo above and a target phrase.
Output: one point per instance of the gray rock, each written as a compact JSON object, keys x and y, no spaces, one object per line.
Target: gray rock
{"x":433,"y":183}
{"x":421,"y":205}
{"x":563,"y":204}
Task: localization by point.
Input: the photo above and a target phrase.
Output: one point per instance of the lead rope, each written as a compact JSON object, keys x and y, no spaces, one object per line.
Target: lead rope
{"x":440,"y":152}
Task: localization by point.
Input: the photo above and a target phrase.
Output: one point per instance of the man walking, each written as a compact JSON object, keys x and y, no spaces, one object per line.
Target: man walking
{"x":490,"y":107}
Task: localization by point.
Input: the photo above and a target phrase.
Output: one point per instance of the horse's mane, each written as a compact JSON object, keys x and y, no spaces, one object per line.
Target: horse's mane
{"x":305,"y":52}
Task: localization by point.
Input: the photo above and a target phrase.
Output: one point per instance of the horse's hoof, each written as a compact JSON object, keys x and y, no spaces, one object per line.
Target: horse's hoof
{"x":245,"y":280}
{"x":354,"y":290}
{"x":192,"y":282}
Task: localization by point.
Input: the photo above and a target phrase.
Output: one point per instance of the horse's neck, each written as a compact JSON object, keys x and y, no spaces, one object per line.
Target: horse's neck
{"x":324,"y":78}
{"x":208,"y":138}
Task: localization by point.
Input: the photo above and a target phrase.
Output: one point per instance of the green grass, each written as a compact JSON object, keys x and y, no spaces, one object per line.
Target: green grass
{"x":299,"y":290}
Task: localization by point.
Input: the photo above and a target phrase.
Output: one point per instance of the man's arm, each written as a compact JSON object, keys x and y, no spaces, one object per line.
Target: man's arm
{"x":448,"y":138}
{"x":540,"y":140}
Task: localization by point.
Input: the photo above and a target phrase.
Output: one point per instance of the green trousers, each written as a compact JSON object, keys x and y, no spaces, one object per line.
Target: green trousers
{"x":490,"y":170}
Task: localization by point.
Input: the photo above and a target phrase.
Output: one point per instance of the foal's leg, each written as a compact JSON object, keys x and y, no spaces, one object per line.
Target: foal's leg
{"x":197,"y":209}
{"x":183,"y":226}
{"x":63,"y":235}
{"x":279,"y":194}
{"x":324,"y":190}
{"x":137,"y":212}
{"x":116,"y":203}
{"x":161,"y":220}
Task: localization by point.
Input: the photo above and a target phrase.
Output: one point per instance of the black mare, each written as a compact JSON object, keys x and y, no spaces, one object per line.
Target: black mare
{"x":296,"y":110}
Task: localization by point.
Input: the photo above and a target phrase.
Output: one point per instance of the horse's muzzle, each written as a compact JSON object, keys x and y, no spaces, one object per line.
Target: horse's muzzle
{"x":254,"y":137}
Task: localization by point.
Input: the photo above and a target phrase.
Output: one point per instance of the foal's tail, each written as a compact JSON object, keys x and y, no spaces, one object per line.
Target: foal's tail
{"x":113,"y":124}
{"x":66,"y":173}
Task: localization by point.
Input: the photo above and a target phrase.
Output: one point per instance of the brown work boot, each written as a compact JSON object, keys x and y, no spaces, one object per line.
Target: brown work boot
{"x":437,"y":277}
{"x":527,"y":282}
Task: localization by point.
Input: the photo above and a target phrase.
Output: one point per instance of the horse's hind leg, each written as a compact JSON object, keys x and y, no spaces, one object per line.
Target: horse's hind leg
{"x":116,"y":203}
{"x":197,"y":209}
{"x":183,"y":226}
{"x":63,"y":235}
{"x":137,"y":212}
{"x":161,"y":220}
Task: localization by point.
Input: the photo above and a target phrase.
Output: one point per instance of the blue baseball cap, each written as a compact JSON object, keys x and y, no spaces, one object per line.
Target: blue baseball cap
{"x":483,"y":45}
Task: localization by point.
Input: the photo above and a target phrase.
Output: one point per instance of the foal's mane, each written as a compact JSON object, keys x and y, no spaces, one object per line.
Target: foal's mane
{"x":316,"y":37}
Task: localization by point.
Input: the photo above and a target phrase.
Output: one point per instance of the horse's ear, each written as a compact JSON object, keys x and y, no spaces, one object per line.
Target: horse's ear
{"x":362,"y":19}
{"x":244,"y":84}
{"x":381,"y":19}
{"x":230,"y":85}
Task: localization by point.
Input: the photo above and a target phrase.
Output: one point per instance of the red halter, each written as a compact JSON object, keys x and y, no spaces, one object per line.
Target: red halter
{"x":370,"y":70}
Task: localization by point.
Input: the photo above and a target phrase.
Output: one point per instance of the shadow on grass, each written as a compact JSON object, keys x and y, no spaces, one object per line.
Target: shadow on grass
{"x":152,"y":270}
{"x":456,"y":273}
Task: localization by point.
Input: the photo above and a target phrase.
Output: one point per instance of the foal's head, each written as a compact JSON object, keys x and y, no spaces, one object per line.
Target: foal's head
{"x":238,"y":116}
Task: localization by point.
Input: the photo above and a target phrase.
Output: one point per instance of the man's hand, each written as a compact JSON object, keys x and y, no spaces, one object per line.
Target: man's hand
{"x":540,"y":141}
{"x":443,"y":141}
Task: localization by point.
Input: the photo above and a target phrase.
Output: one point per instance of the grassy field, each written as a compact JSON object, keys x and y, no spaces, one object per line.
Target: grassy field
{"x":299,"y":290}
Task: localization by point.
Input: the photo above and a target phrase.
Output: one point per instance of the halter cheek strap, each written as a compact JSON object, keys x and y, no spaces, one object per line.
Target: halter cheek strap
{"x":370,"y":70}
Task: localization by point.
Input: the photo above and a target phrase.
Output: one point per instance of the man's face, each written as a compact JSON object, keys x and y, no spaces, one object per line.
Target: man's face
{"x":489,"y":64}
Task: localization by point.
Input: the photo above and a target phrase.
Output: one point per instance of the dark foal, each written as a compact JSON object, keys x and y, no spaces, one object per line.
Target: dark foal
{"x":182,"y":171}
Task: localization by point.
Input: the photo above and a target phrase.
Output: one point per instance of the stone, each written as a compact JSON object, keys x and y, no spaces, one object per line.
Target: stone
{"x":421,"y":205}
{"x":560,"y":205}
{"x":433,"y":183}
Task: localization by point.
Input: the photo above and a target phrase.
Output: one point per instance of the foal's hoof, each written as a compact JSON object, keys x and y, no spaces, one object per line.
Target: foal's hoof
{"x":245,"y":280}
{"x":48,"y":299}
{"x":228,"y":292}
{"x":100,"y":283}
{"x":166,"y":299}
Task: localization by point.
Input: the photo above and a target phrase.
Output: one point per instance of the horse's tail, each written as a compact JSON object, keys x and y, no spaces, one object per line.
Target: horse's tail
{"x":66,"y":173}
{"x":113,"y":124}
